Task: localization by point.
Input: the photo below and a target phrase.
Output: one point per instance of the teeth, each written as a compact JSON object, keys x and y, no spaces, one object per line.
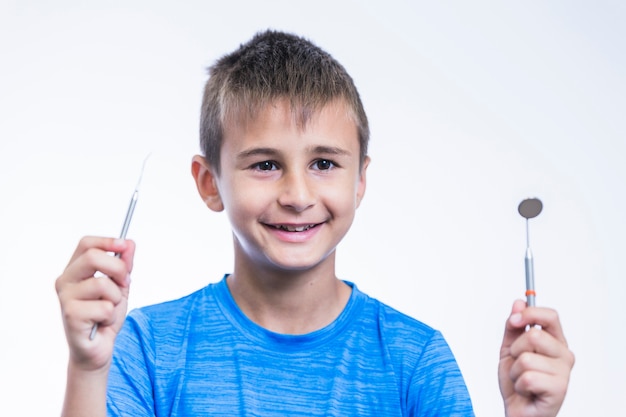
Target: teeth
{"x":295,"y":229}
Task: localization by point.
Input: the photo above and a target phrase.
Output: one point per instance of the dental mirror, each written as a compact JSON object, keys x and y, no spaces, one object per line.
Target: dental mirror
{"x":529,"y":208}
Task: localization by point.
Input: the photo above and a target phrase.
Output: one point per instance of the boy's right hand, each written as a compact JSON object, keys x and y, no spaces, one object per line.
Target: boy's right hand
{"x":86,"y":300}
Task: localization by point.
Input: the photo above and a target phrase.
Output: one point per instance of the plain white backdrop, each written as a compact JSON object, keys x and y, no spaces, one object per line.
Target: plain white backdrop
{"x":473,"y":107}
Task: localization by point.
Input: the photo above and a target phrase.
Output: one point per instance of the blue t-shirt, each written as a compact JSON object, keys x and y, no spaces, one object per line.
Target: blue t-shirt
{"x":201,"y":356}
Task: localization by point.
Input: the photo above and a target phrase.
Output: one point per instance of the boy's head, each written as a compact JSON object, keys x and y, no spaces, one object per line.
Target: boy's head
{"x":274,"y":66}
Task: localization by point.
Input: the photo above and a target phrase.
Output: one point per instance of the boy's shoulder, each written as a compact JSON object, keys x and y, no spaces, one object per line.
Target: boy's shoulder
{"x":166,"y":313}
{"x":398,"y":328}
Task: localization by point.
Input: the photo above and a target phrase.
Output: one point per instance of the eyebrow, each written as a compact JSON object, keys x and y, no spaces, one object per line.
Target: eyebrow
{"x":256,"y":151}
{"x":329,"y":150}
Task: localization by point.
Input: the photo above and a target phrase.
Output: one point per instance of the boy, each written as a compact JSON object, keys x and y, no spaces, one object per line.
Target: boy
{"x":284,"y":139}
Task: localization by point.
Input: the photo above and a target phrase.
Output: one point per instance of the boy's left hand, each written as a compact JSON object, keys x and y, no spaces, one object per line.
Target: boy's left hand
{"x":535,"y":365}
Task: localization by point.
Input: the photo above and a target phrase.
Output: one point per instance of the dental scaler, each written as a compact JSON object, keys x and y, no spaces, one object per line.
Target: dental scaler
{"x":125,"y":226}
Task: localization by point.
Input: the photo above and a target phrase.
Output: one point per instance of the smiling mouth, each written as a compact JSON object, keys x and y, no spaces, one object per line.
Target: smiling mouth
{"x":294,"y":228}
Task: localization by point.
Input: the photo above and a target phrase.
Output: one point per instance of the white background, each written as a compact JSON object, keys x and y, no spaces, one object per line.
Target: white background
{"x":473,"y":107}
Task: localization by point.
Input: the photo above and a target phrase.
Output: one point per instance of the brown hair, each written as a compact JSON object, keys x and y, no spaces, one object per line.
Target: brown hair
{"x":273,"y":66}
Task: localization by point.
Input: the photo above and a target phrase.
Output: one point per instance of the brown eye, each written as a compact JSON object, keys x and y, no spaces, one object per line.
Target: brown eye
{"x":265,"y":166}
{"x":323,"y":164}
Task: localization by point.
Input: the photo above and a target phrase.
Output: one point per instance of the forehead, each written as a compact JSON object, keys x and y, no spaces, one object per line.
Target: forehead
{"x":279,"y":120}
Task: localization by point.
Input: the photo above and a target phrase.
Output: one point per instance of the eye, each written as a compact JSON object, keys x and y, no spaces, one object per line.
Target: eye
{"x":323,"y":164}
{"x":265,"y":166}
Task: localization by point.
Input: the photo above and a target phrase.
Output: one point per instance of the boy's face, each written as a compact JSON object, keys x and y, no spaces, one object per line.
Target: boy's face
{"x":290,"y":194}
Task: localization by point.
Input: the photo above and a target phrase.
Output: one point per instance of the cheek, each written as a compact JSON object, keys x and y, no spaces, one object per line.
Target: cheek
{"x":242,"y":199}
{"x":342,"y":198}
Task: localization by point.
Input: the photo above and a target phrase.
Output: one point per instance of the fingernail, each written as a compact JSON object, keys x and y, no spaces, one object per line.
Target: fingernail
{"x":127,"y":279}
{"x":516,"y":318}
{"x":118,"y":242}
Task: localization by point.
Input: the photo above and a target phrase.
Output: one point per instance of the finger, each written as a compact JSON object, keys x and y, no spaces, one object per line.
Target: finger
{"x":106,"y":244}
{"x":91,"y":301}
{"x":534,"y":362}
{"x":514,"y":327}
{"x":93,"y":289}
{"x":81,"y":315}
{"x":128,"y":255}
{"x":541,"y":386}
{"x":538,"y":341}
{"x":547,"y":318}
{"x":95,"y":260}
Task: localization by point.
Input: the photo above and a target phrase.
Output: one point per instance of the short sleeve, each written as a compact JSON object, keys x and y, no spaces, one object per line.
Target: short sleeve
{"x":437,"y":387}
{"x":130,"y":387}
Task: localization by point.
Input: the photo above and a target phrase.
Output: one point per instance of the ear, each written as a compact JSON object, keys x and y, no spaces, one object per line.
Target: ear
{"x":360,"y":191}
{"x":206,"y":182}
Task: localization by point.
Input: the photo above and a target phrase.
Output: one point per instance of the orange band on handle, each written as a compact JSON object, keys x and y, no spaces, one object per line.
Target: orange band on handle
{"x":530,"y":292}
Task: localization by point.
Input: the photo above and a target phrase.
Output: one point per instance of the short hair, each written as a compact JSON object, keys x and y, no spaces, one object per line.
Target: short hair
{"x":275,"y":66}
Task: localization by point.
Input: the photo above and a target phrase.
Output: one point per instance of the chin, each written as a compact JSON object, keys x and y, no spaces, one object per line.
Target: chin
{"x":294,"y":265}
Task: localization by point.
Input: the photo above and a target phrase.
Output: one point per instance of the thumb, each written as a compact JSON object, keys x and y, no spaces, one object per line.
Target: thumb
{"x":514,"y":325}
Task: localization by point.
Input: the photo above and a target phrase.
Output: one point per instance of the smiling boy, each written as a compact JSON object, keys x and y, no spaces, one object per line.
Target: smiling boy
{"x":290,"y":191}
{"x":284,"y":139}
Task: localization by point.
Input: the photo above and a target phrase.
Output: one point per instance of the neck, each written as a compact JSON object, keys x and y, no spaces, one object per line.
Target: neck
{"x":294,"y":302}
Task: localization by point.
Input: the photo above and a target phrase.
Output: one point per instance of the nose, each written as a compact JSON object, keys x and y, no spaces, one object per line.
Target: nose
{"x":297,"y":192}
